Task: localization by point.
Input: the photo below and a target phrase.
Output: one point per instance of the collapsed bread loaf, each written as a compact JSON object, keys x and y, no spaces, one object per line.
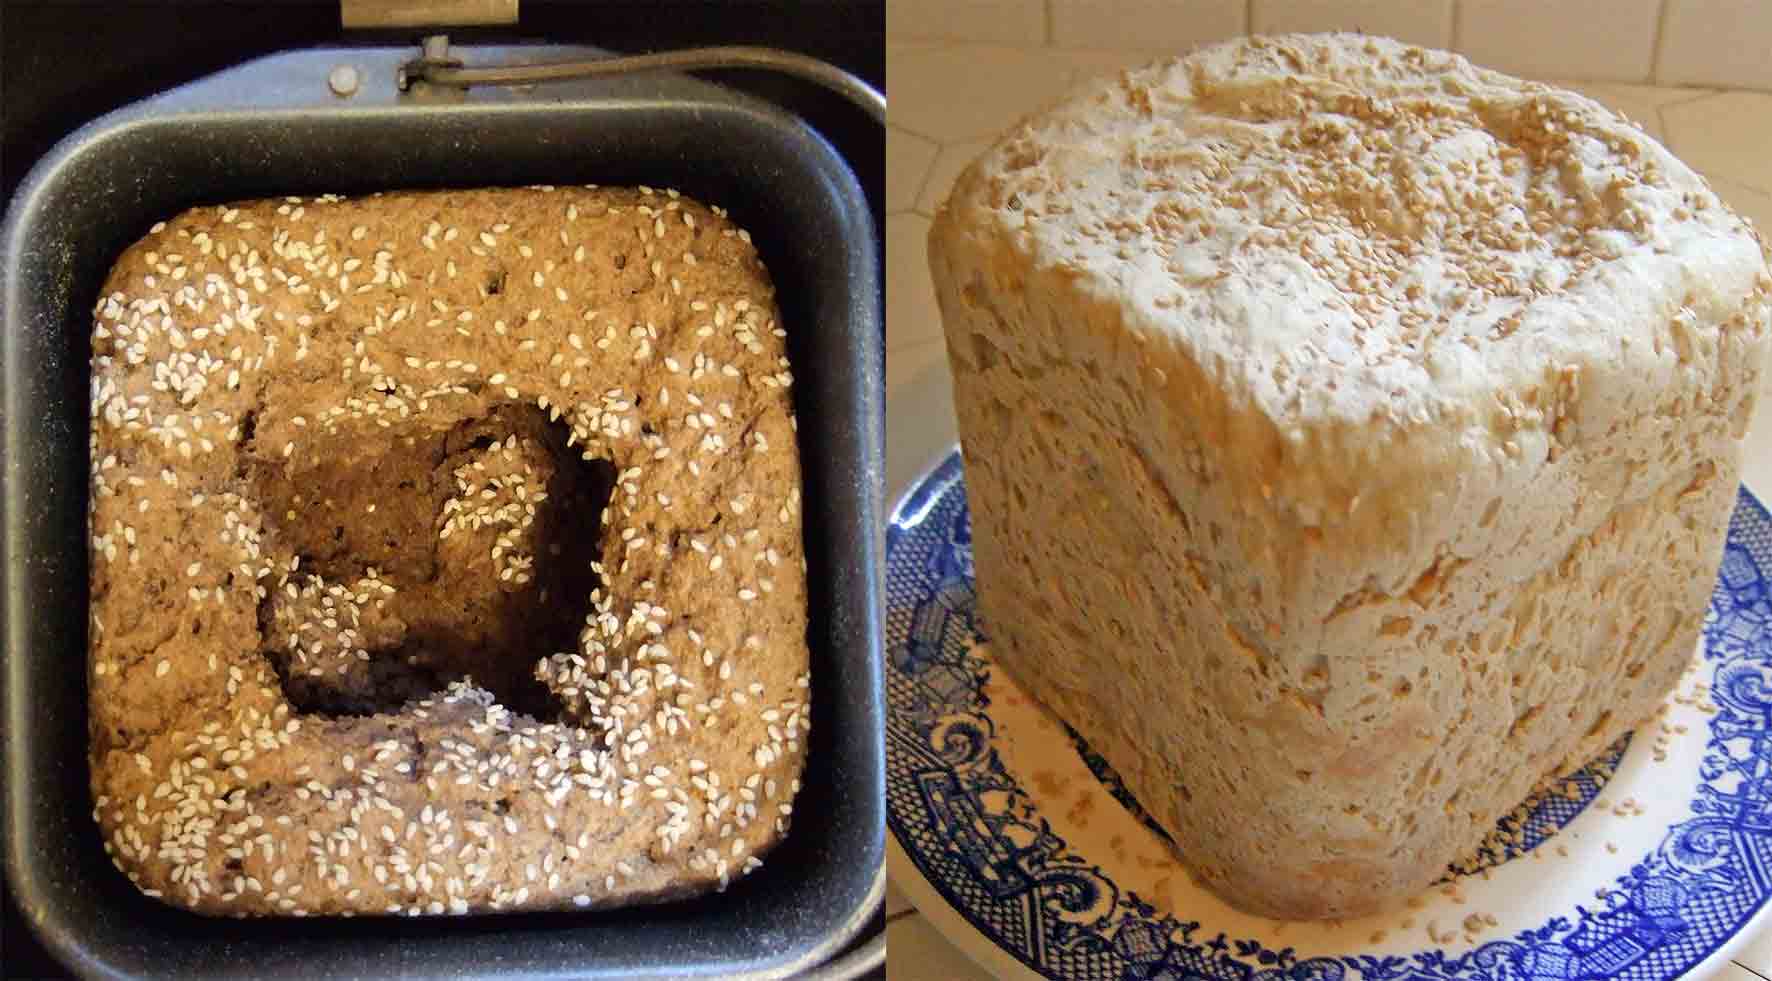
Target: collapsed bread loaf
{"x":1350,"y":435}
{"x":364,"y":636}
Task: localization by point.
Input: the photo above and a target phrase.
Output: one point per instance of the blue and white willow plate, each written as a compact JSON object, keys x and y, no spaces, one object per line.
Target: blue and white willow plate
{"x":1043,"y":865}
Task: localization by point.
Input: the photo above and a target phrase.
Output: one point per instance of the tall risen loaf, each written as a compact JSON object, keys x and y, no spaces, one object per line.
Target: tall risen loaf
{"x":1350,"y":435}
{"x":446,"y":555}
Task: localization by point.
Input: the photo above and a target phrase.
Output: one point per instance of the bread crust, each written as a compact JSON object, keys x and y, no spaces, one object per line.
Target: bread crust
{"x":342,"y":450}
{"x":1350,"y":438}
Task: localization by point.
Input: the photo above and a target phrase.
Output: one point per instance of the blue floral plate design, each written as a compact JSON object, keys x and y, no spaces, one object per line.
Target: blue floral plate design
{"x":1011,"y":820}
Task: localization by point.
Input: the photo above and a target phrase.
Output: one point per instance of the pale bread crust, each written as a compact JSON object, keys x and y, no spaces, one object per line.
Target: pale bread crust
{"x":1334,"y":561}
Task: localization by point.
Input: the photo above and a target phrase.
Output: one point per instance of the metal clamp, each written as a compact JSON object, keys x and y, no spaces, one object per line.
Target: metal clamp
{"x":436,"y":67}
{"x":434,"y":56}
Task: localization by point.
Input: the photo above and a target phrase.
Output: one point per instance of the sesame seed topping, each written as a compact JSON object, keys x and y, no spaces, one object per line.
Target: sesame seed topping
{"x":381,"y":316}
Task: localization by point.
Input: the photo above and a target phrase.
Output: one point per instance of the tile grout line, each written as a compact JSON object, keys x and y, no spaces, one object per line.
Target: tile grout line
{"x":1452,"y":33}
{"x":1051,"y":18}
{"x":905,"y":913}
{"x":1696,"y":95}
{"x":1666,"y":131}
{"x":918,"y":134}
{"x":1662,"y":108}
{"x":937,"y":338}
{"x":1757,"y":189}
{"x":928,"y":42}
{"x":1750,"y":970}
{"x":904,"y":346}
{"x":1659,"y":46}
{"x":923,"y":185}
{"x":895,"y":125}
{"x":928,"y":170}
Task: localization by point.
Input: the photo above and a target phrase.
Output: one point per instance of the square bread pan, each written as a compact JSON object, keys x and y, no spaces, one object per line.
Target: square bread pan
{"x":273,"y":127}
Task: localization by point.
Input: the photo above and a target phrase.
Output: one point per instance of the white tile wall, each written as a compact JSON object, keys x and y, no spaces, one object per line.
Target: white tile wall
{"x":1726,"y":43}
{"x":964,"y":92}
{"x":908,"y":157}
{"x":1612,"y":40}
{"x":1171,"y":26}
{"x":896,"y":902}
{"x":1726,"y":135}
{"x":1004,"y":21}
{"x":915,"y":318}
{"x":1641,"y":104}
{"x":920,"y":424}
{"x":1756,"y":206}
{"x":916,"y":952}
{"x":1715,"y":43}
{"x":1424,"y":22}
{"x":948,"y":164}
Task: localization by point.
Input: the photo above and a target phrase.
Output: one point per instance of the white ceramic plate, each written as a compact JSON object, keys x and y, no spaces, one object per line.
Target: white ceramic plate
{"x":1023,"y":847}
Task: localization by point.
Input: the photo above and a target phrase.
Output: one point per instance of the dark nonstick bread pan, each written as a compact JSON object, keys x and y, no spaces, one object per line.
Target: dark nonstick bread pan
{"x":296,"y":124}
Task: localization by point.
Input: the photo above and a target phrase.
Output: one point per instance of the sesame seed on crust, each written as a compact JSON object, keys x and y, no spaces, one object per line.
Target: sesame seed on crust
{"x":351,"y":459}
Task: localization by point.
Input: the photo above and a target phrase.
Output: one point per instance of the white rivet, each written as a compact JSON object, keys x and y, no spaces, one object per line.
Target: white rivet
{"x":342,"y":81}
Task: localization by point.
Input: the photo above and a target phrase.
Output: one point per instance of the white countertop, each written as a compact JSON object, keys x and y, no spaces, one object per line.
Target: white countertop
{"x":934,"y":132}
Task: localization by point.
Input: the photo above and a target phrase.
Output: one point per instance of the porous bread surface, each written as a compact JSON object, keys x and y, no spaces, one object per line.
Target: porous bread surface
{"x":364,"y":638}
{"x":1350,"y":437}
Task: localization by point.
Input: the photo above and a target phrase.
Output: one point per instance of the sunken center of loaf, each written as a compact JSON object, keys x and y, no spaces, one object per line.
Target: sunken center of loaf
{"x":508,"y":572}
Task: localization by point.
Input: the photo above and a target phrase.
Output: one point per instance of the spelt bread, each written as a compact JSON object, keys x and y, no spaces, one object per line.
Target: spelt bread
{"x":365,"y":638}
{"x":1350,"y":434}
